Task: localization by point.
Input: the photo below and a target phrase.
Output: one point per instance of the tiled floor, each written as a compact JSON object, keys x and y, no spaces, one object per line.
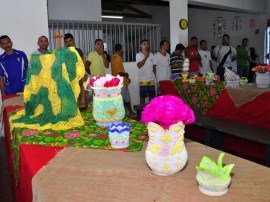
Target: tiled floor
{"x":6,"y":191}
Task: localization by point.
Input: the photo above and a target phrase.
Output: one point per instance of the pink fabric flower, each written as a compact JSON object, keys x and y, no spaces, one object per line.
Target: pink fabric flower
{"x":30,"y":132}
{"x":194,"y":100}
{"x":212,"y":91}
{"x":72,"y":135}
{"x":167,"y":110}
{"x":185,"y":86}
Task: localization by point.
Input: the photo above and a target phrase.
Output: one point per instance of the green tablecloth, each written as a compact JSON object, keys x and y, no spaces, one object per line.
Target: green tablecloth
{"x":87,"y":136}
{"x":198,"y":96}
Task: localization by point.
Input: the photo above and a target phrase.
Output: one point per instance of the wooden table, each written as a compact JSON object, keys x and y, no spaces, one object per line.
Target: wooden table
{"x":77,"y":174}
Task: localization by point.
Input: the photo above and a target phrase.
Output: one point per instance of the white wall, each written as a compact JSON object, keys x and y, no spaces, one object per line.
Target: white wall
{"x":202,"y":27}
{"x":85,"y":10}
{"x":24,"y":22}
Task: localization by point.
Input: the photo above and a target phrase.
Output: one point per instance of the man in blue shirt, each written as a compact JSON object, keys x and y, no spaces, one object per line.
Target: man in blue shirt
{"x":13,"y":67}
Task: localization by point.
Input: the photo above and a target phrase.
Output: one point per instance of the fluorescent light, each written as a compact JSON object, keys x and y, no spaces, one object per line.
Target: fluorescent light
{"x":112,"y":16}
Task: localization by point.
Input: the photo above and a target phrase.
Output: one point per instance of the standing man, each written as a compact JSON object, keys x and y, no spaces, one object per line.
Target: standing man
{"x":177,"y":59}
{"x":206,"y":64}
{"x":13,"y":67}
{"x":243,"y":58}
{"x":162,"y":68}
{"x":144,"y":61}
{"x":69,"y":41}
{"x":43,"y":44}
{"x":224,"y":54}
{"x":96,"y":60}
{"x":118,"y":68}
{"x":194,"y":56}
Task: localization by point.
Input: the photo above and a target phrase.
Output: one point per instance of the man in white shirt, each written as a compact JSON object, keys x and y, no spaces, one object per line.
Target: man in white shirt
{"x":144,"y":61}
{"x":206,"y":64}
{"x":162,"y":69}
{"x":224,"y":54}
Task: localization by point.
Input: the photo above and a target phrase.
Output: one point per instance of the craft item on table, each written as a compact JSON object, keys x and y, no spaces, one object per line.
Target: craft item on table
{"x":186,"y":65}
{"x":51,"y":92}
{"x":214,"y":179}
{"x":192,"y":80}
{"x":166,"y":117}
{"x":262,"y":75}
{"x":200,"y":78}
{"x":174,"y":76}
{"x":243,"y":81}
{"x":108,"y":107}
{"x":119,"y":135}
{"x":184,"y":76}
{"x":185,"y":70}
{"x":209,"y":78}
{"x":232,"y":79}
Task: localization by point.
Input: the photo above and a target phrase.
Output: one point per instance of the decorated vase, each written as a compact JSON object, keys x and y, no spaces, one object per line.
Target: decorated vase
{"x":262,"y":80}
{"x":108,"y":107}
{"x":166,"y":153}
{"x":119,"y":135}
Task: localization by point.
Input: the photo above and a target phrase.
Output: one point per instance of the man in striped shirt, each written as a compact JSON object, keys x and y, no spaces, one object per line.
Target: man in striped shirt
{"x":177,"y":59}
{"x":13,"y":67}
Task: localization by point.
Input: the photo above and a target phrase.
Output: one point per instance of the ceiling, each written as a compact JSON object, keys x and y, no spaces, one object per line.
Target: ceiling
{"x":127,"y":8}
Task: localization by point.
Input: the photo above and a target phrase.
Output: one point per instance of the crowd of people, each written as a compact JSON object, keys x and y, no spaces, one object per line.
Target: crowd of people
{"x":152,"y":67}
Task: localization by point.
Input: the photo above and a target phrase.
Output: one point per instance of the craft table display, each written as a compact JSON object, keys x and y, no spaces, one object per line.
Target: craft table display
{"x":246,"y":104}
{"x":87,"y":136}
{"x":198,"y":96}
{"x":116,"y":176}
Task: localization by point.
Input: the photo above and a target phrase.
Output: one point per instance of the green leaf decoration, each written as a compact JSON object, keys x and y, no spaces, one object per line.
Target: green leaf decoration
{"x":210,"y":166}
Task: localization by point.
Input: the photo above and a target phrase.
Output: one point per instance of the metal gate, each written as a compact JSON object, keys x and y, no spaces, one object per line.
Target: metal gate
{"x":128,"y":34}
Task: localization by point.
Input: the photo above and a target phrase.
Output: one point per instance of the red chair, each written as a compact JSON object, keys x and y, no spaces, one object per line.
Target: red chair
{"x":167,"y":88}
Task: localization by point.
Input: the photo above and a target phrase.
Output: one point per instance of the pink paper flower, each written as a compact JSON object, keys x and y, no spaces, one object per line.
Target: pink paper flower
{"x":167,"y":110}
{"x":106,"y":81}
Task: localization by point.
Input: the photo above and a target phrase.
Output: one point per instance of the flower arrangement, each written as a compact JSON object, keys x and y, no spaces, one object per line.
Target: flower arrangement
{"x":167,"y":110}
{"x":261,"y":68}
{"x":106,"y":81}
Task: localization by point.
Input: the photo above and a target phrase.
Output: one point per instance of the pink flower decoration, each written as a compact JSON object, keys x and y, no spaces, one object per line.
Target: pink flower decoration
{"x":167,"y":110}
{"x":185,"y":86}
{"x":30,"y":132}
{"x":72,"y":135}
{"x":194,"y":100}
{"x":106,"y":81}
{"x":212,"y":91}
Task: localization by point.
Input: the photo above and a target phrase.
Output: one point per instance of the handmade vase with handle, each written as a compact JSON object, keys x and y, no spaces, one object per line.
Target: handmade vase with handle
{"x":108,"y":107}
{"x":166,"y":153}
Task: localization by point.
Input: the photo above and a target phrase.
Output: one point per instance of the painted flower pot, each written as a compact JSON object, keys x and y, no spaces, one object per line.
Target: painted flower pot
{"x":166,"y":153}
{"x":262,"y":80}
{"x":119,"y":135}
{"x":108,"y":107}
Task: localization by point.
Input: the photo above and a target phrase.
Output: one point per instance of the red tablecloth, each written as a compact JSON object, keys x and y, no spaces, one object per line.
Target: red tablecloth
{"x":254,"y":113}
{"x":32,"y":158}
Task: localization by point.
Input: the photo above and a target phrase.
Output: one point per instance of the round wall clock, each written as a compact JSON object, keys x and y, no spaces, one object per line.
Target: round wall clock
{"x":183,"y":23}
